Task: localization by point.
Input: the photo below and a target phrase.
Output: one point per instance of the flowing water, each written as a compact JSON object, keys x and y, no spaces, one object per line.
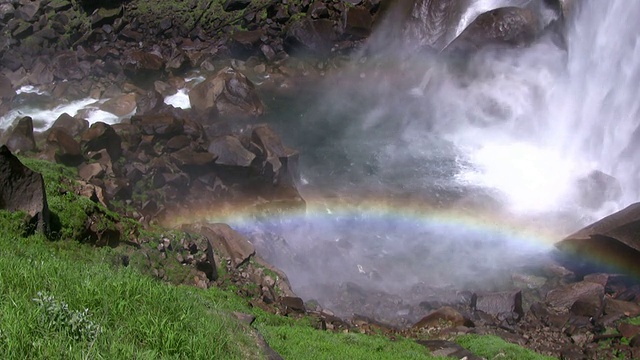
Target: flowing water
{"x":419,"y":171}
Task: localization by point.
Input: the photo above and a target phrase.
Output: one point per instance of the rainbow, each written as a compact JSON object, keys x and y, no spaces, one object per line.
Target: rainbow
{"x":530,"y":231}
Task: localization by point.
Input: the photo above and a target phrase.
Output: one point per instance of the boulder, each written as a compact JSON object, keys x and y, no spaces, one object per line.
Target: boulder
{"x":73,"y":126}
{"x":6,"y":89}
{"x":102,"y":136}
{"x":68,"y":150}
{"x":356,"y":22}
{"x":22,"y":189}
{"x":161,"y":125}
{"x":278,"y":162}
{"x":121,"y":105}
{"x":311,"y":36}
{"x":498,"y":303}
{"x":21,"y":138}
{"x":608,"y":244}
{"x":65,"y":66}
{"x":564,"y":297}
{"x":230,"y":152}
{"x":226,"y":240}
{"x":229,"y":93}
{"x":512,"y":26}
{"x":444,"y":316}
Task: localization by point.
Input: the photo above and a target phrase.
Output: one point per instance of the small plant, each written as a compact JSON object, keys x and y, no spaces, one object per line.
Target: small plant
{"x":57,"y":316}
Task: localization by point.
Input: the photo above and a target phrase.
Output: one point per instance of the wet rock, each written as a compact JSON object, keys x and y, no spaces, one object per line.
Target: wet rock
{"x":28,"y":10}
{"x":279,"y":163}
{"x":190,"y":159}
{"x":508,"y":25}
{"x":356,"y":22}
{"x":22,"y":189}
{"x":498,"y":303}
{"x":229,"y":93}
{"x":150,"y":102}
{"x":21,"y":139}
{"x":245,"y":43}
{"x":142,"y":66}
{"x":102,"y":136}
{"x":445,"y":316}
{"x":68,"y":151}
{"x":613,"y":237}
{"x":121,"y":105}
{"x":222,"y":238}
{"x":230,"y":152}
{"x":565,"y":296}
{"x":448,"y":349}
{"x":311,"y":36}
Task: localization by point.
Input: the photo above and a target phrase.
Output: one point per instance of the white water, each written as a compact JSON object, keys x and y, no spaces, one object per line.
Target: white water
{"x":534,"y":121}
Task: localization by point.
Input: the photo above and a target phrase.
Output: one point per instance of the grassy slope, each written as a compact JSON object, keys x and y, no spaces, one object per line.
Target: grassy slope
{"x":138,"y":317}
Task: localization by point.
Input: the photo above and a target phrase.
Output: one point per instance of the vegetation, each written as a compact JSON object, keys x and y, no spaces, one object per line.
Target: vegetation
{"x":493,"y":347}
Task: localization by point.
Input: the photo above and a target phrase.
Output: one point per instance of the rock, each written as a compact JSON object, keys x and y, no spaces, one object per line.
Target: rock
{"x":142,"y":66}
{"x":448,"y":349}
{"x":508,"y":25}
{"x":150,"y":102}
{"x":21,"y":138}
{"x":613,"y":238}
{"x":229,"y":93}
{"x":356,"y":22}
{"x":121,"y":105}
{"x":222,"y":238}
{"x":230,"y":152}
{"x":445,"y":316}
{"x":161,"y":125}
{"x":73,"y":126}
{"x":90,"y":171}
{"x":279,"y":163}
{"x":628,"y":330}
{"x":22,"y":189}
{"x":187,"y":158}
{"x":28,"y":10}
{"x":6,"y":89}
{"x":233,"y":5}
{"x":65,"y":66}
{"x":620,"y":307}
{"x":565,"y":296}
{"x":294,"y":304}
{"x":103,"y":16}
{"x":245,"y":318}
{"x":311,"y":36}
{"x":597,"y":188}
{"x":498,"y":303}
{"x":245,"y":43}
{"x":102,"y":136}
{"x":68,"y":150}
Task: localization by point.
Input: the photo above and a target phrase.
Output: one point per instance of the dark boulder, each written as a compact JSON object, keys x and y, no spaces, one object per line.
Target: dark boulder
{"x":444,"y":316}
{"x":102,"y":136}
{"x":356,"y":22}
{"x":120,"y":105}
{"x":608,"y":244}
{"x":227,"y":241}
{"x":233,"y":5}
{"x":6,"y":89}
{"x":68,"y":151}
{"x":65,"y":66}
{"x":310,"y":36}
{"x":21,"y":138}
{"x":22,"y":189}
{"x":159,"y":125}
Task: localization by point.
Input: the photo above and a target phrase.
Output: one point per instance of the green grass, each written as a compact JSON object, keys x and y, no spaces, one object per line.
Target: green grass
{"x":493,"y":347}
